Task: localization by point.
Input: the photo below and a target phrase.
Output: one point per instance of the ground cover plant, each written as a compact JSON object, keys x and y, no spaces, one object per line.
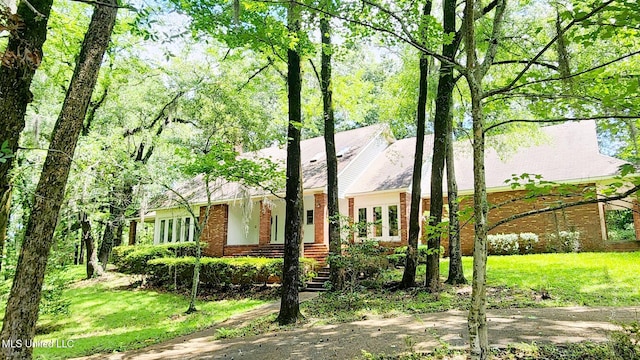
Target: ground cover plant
{"x":107,"y":314}
{"x":541,"y":280}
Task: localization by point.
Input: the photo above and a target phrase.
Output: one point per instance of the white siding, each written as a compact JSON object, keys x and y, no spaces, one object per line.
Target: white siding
{"x":308,"y":230}
{"x":383,"y":200}
{"x":350,"y":173}
{"x":243,"y":231}
{"x":277,"y":221}
{"x":171,"y":223}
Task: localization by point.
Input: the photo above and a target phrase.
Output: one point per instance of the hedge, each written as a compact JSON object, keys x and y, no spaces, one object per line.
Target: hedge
{"x":217,"y":272}
{"x":398,"y":258}
{"x":132,"y":259}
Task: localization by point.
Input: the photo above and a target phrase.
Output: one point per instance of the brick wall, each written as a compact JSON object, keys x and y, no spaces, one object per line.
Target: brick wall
{"x":231,"y":250}
{"x":318,"y":217}
{"x":585,"y":219}
{"x":636,"y":218}
{"x":215,"y":231}
{"x":264,"y":233}
{"x":405,"y":204}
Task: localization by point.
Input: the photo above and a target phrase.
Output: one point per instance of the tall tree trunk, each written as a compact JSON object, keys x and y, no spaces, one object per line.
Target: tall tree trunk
{"x":113,"y":230}
{"x":456,"y":273}
{"x":475,"y":72}
{"x":335,"y":246}
{"x":22,"y":306}
{"x":289,"y":304}
{"x":25,"y":48}
{"x":5,"y":207}
{"x":93,"y":266}
{"x":411,"y":263}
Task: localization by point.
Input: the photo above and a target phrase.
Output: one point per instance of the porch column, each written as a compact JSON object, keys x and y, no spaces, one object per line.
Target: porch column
{"x":216,"y":229}
{"x":264,"y":233}
{"x":319,"y":222}
{"x":351,"y":217}
{"x":636,"y":218}
{"x":404,"y":221}
{"x":132,"y":232}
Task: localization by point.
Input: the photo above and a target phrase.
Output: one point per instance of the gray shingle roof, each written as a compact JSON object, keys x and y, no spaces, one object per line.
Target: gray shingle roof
{"x":565,"y":153}
{"x":348,"y":144}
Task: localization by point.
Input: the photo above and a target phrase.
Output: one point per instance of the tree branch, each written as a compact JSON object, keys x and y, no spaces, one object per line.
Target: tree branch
{"x":255,"y":74}
{"x":601,"y":117}
{"x":560,"y":78}
{"x":547,"y":47}
{"x":564,"y":206}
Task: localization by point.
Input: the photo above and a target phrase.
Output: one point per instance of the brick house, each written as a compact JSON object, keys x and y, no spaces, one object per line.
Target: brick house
{"x":375,"y":182}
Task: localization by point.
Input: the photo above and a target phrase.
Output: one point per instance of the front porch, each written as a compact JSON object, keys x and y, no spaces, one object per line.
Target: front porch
{"x":314,"y":251}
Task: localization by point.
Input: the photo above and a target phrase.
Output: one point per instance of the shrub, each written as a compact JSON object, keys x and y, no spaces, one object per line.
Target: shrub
{"x":564,"y":241}
{"x":133,"y":259}
{"x":399,"y":256}
{"x":511,"y":244}
{"x":527,"y":241}
{"x":360,"y":261}
{"x":218,"y":272}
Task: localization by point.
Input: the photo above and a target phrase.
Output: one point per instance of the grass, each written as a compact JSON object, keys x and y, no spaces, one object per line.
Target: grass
{"x":103,"y":318}
{"x":587,"y":279}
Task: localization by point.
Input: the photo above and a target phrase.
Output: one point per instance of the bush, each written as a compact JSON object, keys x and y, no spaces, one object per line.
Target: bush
{"x":564,"y":241}
{"x":399,"y":256}
{"x":360,"y":261}
{"x":511,"y":244}
{"x":177,"y":273}
{"x":133,"y":259}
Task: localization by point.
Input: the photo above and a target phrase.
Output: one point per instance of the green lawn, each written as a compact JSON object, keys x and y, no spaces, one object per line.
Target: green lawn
{"x":104,"y":318}
{"x":590,"y":279}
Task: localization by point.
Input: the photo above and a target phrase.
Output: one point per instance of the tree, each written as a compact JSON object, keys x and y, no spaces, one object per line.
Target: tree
{"x":456,"y":273}
{"x":22,"y":306}
{"x":335,"y":243}
{"x":21,"y":58}
{"x":443,"y":149}
{"x":289,"y":304}
{"x":409,"y":275}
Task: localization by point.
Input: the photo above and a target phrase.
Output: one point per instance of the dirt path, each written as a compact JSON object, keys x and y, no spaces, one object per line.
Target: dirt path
{"x":388,"y":335}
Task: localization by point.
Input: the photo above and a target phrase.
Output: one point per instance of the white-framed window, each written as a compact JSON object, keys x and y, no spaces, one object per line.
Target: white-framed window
{"x":380,"y":222}
{"x":174,"y":229}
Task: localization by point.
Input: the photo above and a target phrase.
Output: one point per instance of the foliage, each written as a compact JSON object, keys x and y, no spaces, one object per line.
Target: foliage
{"x":177,"y":273}
{"x":359,"y":262}
{"x":399,"y":256}
{"x":132,"y":259}
{"x":52,"y":301}
{"x":511,"y":244}
{"x":564,"y":241}
{"x":98,"y":324}
{"x":620,"y":226}
{"x":515,"y":281}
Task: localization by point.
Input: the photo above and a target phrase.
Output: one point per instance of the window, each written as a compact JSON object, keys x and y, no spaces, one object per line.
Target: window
{"x":170,"y":231}
{"x":377,"y":220}
{"x":186,"y":229}
{"x":178,"y":230}
{"x":362,"y":222}
{"x":162,"y":231}
{"x":393,"y":220}
{"x":309,"y":217}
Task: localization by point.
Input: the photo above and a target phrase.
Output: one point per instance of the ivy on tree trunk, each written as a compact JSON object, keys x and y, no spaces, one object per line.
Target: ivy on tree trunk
{"x":20,"y":60}
{"x":21,"y":312}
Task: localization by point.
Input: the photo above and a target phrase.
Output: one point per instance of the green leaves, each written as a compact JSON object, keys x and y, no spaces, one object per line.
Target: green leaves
{"x":5,"y":152}
{"x":225,"y":163}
